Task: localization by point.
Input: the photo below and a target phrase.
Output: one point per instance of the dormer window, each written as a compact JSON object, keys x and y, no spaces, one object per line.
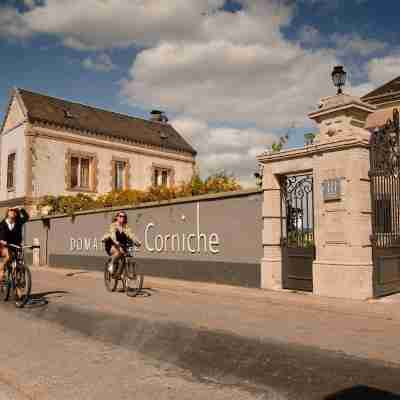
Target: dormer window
{"x":68,"y":114}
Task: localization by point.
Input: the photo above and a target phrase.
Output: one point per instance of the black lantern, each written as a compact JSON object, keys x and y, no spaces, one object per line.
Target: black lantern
{"x":339,"y":77}
{"x":258,"y":177}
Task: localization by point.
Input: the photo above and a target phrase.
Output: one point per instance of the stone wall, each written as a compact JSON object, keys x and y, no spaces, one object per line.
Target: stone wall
{"x":213,"y":238}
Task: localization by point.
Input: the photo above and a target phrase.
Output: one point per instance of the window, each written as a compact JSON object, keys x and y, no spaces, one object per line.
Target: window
{"x":155,"y":177}
{"x":120,"y":175}
{"x":80,"y":172}
{"x":164,"y":177}
{"x":161,"y":176}
{"x":11,"y":171}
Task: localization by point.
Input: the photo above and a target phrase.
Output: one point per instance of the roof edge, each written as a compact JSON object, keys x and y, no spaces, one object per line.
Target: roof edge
{"x":14,"y":93}
{"x":368,"y":95}
{"x":92,"y":132}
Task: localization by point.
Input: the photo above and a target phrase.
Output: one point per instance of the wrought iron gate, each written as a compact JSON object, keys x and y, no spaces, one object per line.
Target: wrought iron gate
{"x":297,"y":231}
{"x":385,"y":195}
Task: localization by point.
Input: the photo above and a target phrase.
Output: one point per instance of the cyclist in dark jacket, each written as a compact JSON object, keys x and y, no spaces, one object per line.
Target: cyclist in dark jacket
{"x":11,"y":233}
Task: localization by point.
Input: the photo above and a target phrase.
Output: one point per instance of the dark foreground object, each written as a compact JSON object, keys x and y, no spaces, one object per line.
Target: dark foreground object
{"x":364,"y":393}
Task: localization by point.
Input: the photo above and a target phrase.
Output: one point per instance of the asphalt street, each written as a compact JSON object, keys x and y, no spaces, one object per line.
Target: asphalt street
{"x":86,"y":343}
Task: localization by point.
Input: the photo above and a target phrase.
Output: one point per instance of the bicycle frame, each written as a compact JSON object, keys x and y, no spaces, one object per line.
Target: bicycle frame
{"x":18,"y":274}
{"x":18,"y":252}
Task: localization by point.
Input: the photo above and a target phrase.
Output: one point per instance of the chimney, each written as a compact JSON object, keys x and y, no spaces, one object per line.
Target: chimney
{"x":158,"y":116}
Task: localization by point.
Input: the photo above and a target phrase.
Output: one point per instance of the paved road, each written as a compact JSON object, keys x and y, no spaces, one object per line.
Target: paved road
{"x":179,"y":342}
{"x":40,"y":360}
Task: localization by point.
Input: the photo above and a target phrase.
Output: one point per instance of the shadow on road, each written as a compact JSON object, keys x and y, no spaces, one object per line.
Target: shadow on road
{"x":46,"y":294}
{"x":149,"y":289}
{"x":69,"y":274}
{"x":364,"y":393}
{"x":40,"y":299}
{"x":142,"y":293}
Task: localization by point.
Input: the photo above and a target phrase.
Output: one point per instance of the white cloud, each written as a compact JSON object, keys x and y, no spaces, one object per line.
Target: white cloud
{"x":233,"y":68}
{"x":92,"y":24}
{"x":355,"y":44}
{"x":269,"y":85}
{"x":102,"y":62}
{"x":12,"y":24}
{"x":203,"y":63}
{"x":231,"y":149}
{"x":382,"y":70}
{"x":99,"y":24}
{"x":310,"y":36}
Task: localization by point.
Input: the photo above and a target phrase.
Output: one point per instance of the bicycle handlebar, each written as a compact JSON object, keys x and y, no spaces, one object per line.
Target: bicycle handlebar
{"x":23,"y":247}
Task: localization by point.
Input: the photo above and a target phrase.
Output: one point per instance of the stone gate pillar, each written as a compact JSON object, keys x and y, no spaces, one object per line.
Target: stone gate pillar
{"x":271,"y":271}
{"x":339,"y":162}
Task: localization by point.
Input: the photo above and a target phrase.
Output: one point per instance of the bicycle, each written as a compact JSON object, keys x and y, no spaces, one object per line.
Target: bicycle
{"x":126,"y":272}
{"x":18,"y":277}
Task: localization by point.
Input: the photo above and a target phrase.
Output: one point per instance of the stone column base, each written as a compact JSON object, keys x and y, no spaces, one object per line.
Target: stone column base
{"x":343,"y":280}
{"x":271,"y":274}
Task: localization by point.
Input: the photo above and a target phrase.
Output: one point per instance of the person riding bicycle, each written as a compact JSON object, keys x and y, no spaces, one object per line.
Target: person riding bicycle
{"x":11,"y":233}
{"x":118,"y":239}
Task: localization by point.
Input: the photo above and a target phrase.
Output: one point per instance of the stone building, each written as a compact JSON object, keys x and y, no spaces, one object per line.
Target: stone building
{"x":50,"y":146}
{"x":385,"y":98}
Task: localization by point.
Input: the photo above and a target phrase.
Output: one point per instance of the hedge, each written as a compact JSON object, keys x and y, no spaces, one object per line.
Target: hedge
{"x":216,"y":183}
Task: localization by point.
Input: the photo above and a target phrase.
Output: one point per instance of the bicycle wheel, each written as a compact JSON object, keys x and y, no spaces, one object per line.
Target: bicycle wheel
{"x":134,"y":280}
{"x":109,"y":281}
{"x":23,"y":285}
{"x":5,"y":287}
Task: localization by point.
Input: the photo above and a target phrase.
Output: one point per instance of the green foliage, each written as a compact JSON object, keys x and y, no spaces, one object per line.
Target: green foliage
{"x":277,"y":146}
{"x":309,"y":138}
{"x":216,"y":183}
{"x":301,"y":239}
{"x":69,"y":204}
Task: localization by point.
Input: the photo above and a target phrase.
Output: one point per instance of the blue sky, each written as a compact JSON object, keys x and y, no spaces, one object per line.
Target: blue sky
{"x":231,"y":75}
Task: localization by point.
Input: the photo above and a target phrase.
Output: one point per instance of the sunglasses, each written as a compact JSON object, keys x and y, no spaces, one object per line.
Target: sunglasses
{"x":121,"y":216}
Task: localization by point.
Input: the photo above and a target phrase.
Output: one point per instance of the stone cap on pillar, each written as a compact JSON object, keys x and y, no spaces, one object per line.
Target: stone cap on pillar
{"x":341,"y":117}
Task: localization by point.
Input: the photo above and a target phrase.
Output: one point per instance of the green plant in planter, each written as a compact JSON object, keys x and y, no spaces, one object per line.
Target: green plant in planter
{"x":300,"y":239}
{"x":309,"y":138}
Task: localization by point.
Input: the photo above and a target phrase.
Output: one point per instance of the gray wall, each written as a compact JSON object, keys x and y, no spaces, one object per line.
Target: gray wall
{"x":207,"y":238}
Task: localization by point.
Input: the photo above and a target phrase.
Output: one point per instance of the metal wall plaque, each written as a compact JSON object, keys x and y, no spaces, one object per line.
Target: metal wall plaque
{"x":331,"y":189}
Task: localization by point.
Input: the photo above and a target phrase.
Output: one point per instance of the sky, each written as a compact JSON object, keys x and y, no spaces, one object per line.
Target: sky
{"x":231,"y":75}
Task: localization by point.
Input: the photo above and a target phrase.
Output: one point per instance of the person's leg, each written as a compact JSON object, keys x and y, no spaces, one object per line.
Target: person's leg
{"x":115,"y":256}
{"x":5,"y":259}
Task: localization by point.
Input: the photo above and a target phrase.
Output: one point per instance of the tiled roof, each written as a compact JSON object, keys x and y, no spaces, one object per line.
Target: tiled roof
{"x":83,"y":118}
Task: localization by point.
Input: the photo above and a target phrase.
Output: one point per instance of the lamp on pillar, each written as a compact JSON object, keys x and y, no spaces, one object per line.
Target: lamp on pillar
{"x":339,"y":77}
{"x":259,"y":176}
